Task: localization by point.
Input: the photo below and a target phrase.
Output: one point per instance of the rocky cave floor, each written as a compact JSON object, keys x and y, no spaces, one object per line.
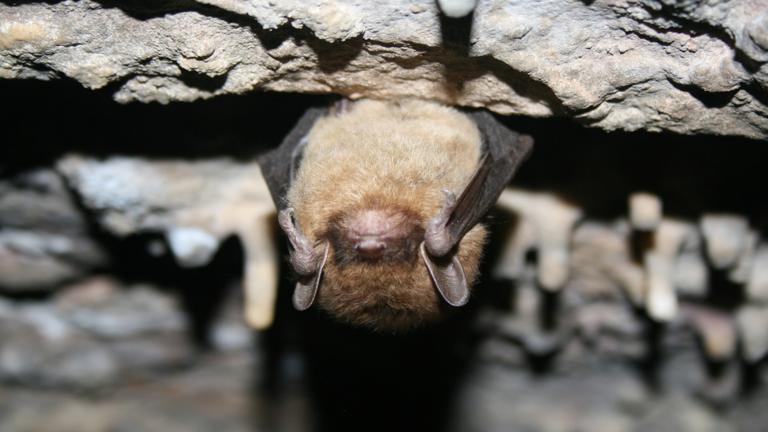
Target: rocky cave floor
{"x":60,"y":374}
{"x":106,"y":333}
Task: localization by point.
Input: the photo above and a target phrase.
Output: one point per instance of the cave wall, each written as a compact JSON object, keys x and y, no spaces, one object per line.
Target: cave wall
{"x":684,"y":66}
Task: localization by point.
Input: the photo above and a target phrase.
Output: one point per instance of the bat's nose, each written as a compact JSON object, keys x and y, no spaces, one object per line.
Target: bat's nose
{"x":370,"y":247}
{"x":374,"y":235}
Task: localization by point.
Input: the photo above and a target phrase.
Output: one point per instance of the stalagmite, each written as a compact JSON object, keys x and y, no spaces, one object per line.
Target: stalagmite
{"x":553,"y":220}
{"x":261,"y":271}
{"x":656,"y":243}
{"x":645,"y":211}
{"x":757,"y":285}
{"x":518,"y":243}
{"x":192,"y":247}
{"x":726,"y":236}
{"x":740,"y":272}
{"x":716,"y":330}
{"x":752,"y":323}
{"x":659,"y":261}
{"x":457,"y":8}
{"x":690,"y":274}
{"x":253,"y":222}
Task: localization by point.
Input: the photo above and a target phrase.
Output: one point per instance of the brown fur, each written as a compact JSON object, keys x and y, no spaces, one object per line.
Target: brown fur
{"x":385,"y":155}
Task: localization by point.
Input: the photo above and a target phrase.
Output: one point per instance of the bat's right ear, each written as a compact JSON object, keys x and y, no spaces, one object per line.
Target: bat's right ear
{"x":279,"y":165}
{"x":306,"y":261}
{"x":306,"y":288}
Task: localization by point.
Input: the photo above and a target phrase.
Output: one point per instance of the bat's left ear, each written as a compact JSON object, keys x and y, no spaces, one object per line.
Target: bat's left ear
{"x":448,"y":277}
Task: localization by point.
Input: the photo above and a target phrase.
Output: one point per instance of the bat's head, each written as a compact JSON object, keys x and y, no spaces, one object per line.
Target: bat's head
{"x":366,"y":264}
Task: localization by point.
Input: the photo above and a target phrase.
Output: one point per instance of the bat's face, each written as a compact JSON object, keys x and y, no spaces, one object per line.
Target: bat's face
{"x":374,"y":276}
{"x":375,"y":235}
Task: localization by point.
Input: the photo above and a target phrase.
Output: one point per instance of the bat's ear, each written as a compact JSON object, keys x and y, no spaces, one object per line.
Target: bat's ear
{"x":448,"y":277}
{"x":307,"y":263}
{"x":306,"y":288}
{"x":278,"y":165}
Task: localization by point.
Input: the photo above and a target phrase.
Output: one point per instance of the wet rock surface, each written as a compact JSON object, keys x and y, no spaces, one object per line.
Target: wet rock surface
{"x":687,"y":67}
{"x":45,"y":239}
{"x":213,"y":395}
{"x":90,"y":334}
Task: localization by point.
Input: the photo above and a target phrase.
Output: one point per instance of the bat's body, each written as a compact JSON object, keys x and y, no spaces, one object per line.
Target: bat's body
{"x":371,"y":210}
{"x":374,"y":177}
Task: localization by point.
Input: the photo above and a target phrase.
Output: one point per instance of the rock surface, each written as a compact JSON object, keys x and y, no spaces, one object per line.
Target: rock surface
{"x":173,"y":402}
{"x":44,"y":237}
{"x":196,"y":205}
{"x":673,"y":65}
{"x":91,"y":334}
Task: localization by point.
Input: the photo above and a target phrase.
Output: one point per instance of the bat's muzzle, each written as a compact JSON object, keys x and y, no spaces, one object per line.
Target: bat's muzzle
{"x":371,"y":246}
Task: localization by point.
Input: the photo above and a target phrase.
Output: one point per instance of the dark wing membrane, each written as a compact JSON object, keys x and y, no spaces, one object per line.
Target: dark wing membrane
{"x":277,"y":165}
{"x":505,"y":151}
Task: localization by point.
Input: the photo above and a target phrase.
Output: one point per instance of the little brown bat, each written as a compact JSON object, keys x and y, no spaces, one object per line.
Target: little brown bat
{"x":381,"y":203}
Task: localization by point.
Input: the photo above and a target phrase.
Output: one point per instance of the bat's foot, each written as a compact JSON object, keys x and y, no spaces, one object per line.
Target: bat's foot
{"x":304,"y":259}
{"x":436,"y":238}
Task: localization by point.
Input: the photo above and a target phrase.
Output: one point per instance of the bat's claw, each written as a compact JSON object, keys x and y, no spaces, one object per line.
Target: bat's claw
{"x":304,"y":258}
{"x":436,"y":238}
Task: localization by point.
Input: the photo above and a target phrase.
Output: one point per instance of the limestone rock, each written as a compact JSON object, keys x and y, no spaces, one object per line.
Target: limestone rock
{"x":681,"y":66}
{"x":171,"y":402}
{"x":196,"y":204}
{"x":44,"y":237}
{"x":90,"y":335}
